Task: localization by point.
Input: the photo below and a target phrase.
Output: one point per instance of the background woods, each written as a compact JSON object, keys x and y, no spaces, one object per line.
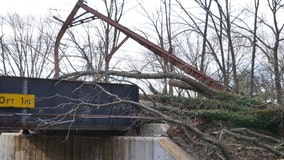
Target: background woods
{"x":237,"y":44}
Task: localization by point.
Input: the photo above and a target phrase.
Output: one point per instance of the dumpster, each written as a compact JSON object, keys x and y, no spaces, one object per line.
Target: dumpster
{"x":61,"y":106}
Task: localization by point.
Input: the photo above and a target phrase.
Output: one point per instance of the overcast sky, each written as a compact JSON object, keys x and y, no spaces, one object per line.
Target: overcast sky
{"x":35,"y":7}
{"x":43,"y":8}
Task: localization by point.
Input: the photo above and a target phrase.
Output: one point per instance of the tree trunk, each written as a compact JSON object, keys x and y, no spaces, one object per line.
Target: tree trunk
{"x":253,"y":49}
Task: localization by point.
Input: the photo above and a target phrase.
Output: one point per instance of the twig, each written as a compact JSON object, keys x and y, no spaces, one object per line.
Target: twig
{"x":256,"y":134}
{"x":256,"y":142}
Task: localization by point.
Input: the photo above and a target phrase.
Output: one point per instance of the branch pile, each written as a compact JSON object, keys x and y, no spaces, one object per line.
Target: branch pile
{"x":253,"y":126}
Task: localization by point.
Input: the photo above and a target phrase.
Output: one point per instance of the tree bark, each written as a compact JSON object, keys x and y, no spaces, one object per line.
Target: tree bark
{"x":253,"y":49}
{"x":197,"y":86}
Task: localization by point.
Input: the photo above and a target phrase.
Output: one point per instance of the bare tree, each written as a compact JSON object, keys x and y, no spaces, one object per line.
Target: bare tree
{"x":161,"y":23}
{"x":221,"y":45}
{"x":270,"y":45}
{"x":27,"y":49}
{"x":274,"y":6}
{"x":205,"y":5}
{"x":254,"y":45}
{"x":225,"y":29}
{"x":98,"y":39}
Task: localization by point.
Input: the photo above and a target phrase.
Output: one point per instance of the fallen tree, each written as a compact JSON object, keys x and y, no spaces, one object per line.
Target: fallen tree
{"x":230,"y":109}
{"x":196,"y":86}
{"x":184,"y":81}
{"x":219,"y":105}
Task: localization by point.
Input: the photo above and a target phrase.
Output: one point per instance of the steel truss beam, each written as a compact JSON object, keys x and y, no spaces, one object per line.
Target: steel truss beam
{"x":172,"y":59}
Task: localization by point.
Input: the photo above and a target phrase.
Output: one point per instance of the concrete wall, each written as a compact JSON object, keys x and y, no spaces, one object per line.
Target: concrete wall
{"x":21,"y":147}
{"x":35,"y":147}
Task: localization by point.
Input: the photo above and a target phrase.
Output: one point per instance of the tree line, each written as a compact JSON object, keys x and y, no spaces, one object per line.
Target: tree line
{"x":238,"y":45}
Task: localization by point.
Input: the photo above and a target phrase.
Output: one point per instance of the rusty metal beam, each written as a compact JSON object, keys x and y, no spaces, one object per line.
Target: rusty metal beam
{"x":190,"y":70}
{"x":81,"y":21}
{"x":60,"y":35}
